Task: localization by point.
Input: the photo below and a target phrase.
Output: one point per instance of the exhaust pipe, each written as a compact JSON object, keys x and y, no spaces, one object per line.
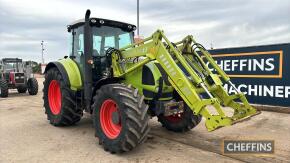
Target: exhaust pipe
{"x":87,"y":57}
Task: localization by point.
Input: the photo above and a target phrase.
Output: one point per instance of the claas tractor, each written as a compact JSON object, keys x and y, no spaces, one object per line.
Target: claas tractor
{"x":123,"y":84}
{"x":17,"y":74}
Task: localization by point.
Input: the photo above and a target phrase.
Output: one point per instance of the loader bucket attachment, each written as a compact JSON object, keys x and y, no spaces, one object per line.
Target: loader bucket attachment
{"x":196,"y":56}
{"x":241,"y":113}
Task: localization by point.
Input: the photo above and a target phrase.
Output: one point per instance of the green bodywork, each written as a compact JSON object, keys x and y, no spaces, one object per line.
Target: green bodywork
{"x":73,"y":73}
{"x":189,"y":86}
{"x":135,"y":79}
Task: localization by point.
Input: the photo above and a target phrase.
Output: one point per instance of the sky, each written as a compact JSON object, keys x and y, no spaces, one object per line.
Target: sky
{"x":216,"y":23}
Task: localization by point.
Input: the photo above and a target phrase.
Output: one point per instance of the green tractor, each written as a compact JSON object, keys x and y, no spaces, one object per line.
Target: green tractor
{"x":17,"y":74}
{"x":122,"y":84}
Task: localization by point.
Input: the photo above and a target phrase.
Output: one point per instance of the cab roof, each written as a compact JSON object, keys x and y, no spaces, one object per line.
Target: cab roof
{"x":102,"y":22}
{"x":12,"y":60}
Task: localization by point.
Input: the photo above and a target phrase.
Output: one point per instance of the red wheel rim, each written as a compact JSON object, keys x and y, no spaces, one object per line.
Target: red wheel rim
{"x":110,"y":129}
{"x":174,"y":118}
{"x":54,"y":97}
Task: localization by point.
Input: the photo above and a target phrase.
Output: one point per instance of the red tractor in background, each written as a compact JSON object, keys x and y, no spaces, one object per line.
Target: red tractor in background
{"x":16,"y":74}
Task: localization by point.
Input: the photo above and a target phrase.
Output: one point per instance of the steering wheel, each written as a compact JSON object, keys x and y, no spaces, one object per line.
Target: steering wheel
{"x":105,"y":49}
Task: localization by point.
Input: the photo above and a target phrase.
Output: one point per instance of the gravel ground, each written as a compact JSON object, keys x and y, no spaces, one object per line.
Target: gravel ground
{"x":26,"y":136}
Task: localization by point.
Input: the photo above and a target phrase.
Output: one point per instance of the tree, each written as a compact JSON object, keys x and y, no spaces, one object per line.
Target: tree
{"x":36,"y":67}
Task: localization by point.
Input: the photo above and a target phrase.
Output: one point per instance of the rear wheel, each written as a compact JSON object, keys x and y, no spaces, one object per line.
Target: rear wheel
{"x":3,"y":88}
{"x":22,"y":89}
{"x":180,"y":122}
{"x":120,"y":117}
{"x":32,"y":86}
{"x":59,"y":100}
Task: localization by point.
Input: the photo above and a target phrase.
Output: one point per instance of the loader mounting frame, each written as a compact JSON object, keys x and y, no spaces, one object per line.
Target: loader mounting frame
{"x":184,"y":62}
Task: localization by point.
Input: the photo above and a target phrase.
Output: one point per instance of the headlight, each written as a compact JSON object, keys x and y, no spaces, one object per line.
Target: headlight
{"x":93,"y":20}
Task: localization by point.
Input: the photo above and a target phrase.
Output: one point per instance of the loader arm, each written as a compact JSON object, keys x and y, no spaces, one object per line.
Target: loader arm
{"x":188,"y":74}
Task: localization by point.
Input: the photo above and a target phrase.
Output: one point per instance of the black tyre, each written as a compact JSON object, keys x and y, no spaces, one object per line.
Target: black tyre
{"x":59,"y":100}
{"x":120,"y":118}
{"x":32,"y":86}
{"x":3,"y":88}
{"x":182,"y":122}
{"x":22,"y":89}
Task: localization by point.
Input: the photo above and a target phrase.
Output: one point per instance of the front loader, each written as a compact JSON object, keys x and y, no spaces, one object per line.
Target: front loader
{"x":122,"y":84}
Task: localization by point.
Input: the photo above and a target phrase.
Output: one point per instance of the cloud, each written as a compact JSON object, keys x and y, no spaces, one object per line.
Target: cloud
{"x":224,"y":23}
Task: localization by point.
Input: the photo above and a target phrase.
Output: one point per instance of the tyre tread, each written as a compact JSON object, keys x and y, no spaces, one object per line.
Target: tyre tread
{"x":136,"y":117}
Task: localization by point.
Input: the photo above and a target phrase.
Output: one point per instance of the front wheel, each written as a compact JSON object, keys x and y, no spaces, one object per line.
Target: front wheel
{"x":180,"y":122}
{"x":120,"y":117}
{"x":32,"y":86}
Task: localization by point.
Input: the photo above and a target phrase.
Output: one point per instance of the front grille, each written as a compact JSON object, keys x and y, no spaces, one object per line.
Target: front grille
{"x":19,"y":78}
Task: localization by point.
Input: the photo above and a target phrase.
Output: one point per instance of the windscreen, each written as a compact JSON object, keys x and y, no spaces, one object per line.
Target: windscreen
{"x":12,"y":66}
{"x":105,"y":37}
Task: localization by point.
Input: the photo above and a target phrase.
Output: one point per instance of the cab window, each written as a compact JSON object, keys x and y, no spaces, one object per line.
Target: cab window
{"x":97,"y":44}
{"x":78,"y":43}
{"x":124,"y":40}
{"x":110,"y":42}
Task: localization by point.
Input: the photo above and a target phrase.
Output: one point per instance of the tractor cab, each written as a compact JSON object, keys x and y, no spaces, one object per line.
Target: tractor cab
{"x":102,"y":35}
{"x":12,"y":65}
